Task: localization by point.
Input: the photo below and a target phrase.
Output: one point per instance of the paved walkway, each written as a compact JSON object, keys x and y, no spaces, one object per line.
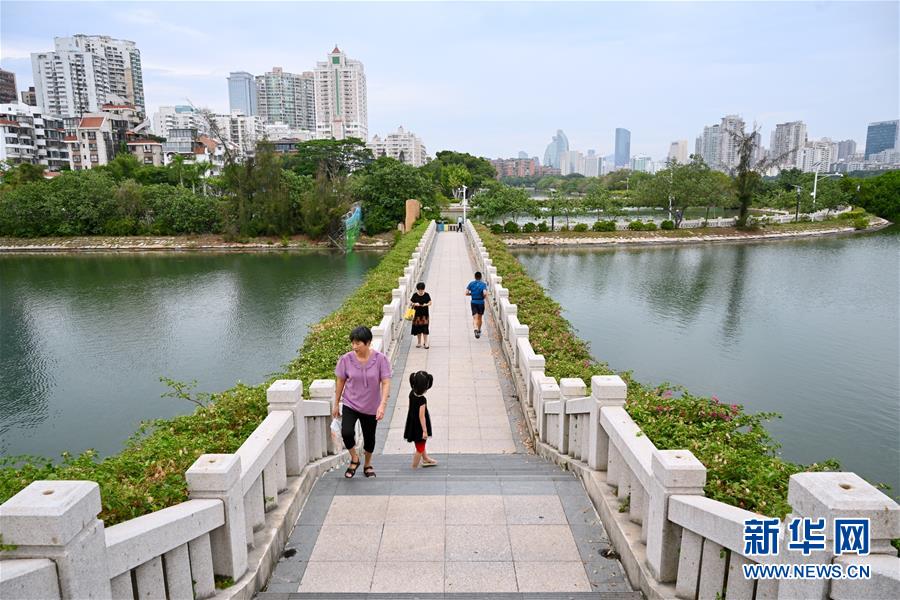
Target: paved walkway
{"x":490,"y":519}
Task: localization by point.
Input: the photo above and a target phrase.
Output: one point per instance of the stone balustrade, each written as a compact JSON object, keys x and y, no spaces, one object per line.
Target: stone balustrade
{"x":241,"y":508}
{"x":674,"y":542}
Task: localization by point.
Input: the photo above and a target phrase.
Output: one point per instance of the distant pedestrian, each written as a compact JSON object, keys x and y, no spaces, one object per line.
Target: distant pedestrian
{"x":418,"y":420}
{"x":459,"y":223}
{"x":420,"y":301}
{"x":477,"y":289}
{"x":363,"y":385}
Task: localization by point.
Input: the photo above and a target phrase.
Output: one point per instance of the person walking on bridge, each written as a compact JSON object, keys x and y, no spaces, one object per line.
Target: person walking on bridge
{"x":363,"y":385}
{"x":477,"y":289}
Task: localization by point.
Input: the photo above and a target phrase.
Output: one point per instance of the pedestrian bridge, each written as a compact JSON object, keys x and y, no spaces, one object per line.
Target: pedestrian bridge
{"x":545,"y":489}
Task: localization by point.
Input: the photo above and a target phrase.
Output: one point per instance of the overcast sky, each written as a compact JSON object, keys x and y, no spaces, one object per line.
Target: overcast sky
{"x":496,"y":78}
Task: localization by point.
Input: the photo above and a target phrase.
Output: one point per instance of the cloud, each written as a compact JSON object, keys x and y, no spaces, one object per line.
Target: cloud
{"x":143,"y":16}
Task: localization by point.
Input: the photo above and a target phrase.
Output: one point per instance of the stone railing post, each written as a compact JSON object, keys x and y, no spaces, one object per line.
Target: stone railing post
{"x":58,"y":520}
{"x":674,"y":472}
{"x":218,"y":476}
{"x":569,"y":389}
{"x":323,"y":389}
{"x":287,"y":394}
{"x":833,"y":496}
{"x":606,"y":390}
{"x":548,"y":392}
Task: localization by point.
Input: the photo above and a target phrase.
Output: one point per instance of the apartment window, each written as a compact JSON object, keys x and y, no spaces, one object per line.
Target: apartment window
{"x":94,"y":158}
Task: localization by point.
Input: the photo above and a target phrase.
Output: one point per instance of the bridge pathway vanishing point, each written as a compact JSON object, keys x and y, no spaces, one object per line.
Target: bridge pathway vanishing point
{"x":491,"y":518}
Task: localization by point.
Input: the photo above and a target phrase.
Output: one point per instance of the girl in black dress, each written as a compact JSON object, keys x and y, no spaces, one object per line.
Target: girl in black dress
{"x":418,"y":421}
{"x":420,"y":302}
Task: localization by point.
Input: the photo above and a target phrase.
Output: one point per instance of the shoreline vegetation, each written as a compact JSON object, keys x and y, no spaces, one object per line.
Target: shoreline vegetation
{"x":690,"y":236}
{"x":570,"y":238}
{"x":148,"y":474}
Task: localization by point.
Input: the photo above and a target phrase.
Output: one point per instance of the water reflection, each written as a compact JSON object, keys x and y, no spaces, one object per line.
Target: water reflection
{"x":84,"y":339}
{"x":798,"y":327}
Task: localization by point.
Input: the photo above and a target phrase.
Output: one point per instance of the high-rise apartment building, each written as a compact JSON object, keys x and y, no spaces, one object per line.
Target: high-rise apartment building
{"x":816,"y":156}
{"x":242,"y":93}
{"x":286,"y":98}
{"x":846,"y":148}
{"x":402,"y":145}
{"x":729,"y":154}
{"x":642,"y":163}
{"x":85,"y":72}
{"x":523,"y":154}
{"x":555,"y":149}
{"x":710,"y":145}
{"x":341,"y":98}
{"x":592,"y":164}
{"x":8,"y":92}
{"x":623,"y":147}
{"x":177,"y":117}
{"x":787,"y":140}
{"x":881,"y":136}
{"x":29,"y":97}
{"x":239,"y":131}
{"x":678,"y":150}
{"x":571,"y":162}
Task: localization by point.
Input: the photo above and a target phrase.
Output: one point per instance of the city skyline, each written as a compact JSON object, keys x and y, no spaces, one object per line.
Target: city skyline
{"x":662,"y":71}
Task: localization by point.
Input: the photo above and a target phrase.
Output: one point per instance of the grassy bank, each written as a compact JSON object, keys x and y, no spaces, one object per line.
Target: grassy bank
{"x":743,"y":467}
{"x":149,"y":473}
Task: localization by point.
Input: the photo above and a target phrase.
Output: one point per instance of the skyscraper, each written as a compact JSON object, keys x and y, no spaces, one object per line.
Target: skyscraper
{"x":882,"y":135}
{"x":553,"y":153}
{"x":286,"y":98}
{"x":711,"y":145}
{"x":85,"y":72}
{"x":341,"y":98}
{"x":787,"y":140}
{"x":623,"y":147}
{"x":242,"y":93}
{"x":729,"y":153}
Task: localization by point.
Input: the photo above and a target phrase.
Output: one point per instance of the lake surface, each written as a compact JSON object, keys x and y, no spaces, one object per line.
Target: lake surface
{"x":84,"y":338}
{"x":808,"y":329}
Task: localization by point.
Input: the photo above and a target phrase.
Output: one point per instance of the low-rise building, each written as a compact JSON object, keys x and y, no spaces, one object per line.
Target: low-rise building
{"x":147,"y":151}
{"x":516,"y":167}
{"x":94,"y":139}
{"x":26,"y":135}
{"x":239,"y":130}
{"x":29,"y":96}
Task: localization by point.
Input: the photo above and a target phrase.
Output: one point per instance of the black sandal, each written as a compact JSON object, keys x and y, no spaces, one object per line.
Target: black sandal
{"x":351,"y":470}
{"x":369,"y":471}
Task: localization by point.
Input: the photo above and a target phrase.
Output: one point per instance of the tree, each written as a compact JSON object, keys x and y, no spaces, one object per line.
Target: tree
{"x":879,"y":195}
{"x":257,"y":198}
{"x":747,"y":175}
{"x":597,"y":199}
{"x":499,"y":200}
{"x":453,"y":177}
{"x":334,"y":158}
{"x":22,"y":173}
{"x":383,"y":188}
{"x":680,"y":186}
{"x":481,"y":171}
{"x":320,"y":203}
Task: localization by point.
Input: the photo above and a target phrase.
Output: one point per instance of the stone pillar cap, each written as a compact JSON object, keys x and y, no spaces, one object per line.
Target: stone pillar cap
{"x":213,"y":472}
{"x":286,"y":385}
{"x":49,"y":513}
{"x":844,"y":495}
{"x":678,"y":469}
{"x":608,"y":387}
{"x":572,"y":386}
{"x":321,"y":387}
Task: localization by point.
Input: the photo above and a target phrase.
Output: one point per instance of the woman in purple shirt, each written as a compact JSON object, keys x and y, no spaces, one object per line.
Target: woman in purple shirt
{"x":363,"y":385}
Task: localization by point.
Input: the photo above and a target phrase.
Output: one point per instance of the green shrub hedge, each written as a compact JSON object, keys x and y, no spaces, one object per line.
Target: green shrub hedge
{"x":743,"y":466}
{"x":604,"y":226}
{"x":580,"y":227}
{"x":149,"y":473}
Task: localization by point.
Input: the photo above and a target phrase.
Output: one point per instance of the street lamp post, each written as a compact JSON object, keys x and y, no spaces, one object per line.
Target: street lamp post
{"x":816,"y":183}
{"x":797,"y":214}
{"x":465,"y":203}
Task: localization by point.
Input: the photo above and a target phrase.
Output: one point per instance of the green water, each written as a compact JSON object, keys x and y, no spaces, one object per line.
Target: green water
{"x":808,"y":329}
{"x":84,"y":338}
